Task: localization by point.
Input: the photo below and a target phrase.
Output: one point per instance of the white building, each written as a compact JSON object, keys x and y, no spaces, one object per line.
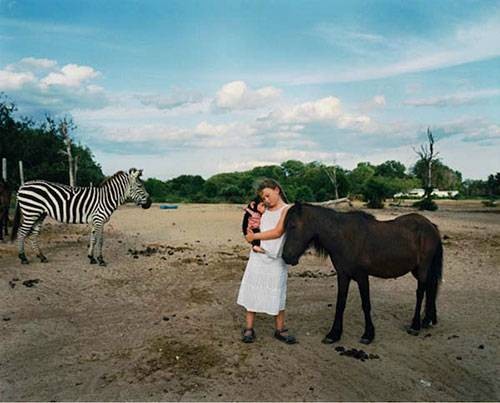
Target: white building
{"x":419,"y":193}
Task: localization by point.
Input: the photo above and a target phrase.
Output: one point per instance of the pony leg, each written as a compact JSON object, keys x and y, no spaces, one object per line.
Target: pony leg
{"x":433,"y":280}
{"x":364,"y":292}
{"x":34,"y":239}
{"x":343,"y":289}
{"x":414,"y":329}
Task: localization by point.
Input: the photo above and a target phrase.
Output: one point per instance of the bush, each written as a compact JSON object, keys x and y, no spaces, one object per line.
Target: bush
{"x":426,"y":204}
{"x":376,"y":190}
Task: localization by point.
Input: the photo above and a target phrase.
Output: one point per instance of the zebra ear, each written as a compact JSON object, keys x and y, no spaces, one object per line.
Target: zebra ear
{"x":134,"y":172}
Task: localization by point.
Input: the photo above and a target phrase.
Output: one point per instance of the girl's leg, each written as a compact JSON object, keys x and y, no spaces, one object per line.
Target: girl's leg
{"x":249,"y":333}
{"x":250,"y":319}
{"x":281,"y":332}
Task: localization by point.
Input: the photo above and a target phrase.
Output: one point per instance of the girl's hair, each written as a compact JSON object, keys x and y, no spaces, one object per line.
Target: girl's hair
{"x":271,"y":184}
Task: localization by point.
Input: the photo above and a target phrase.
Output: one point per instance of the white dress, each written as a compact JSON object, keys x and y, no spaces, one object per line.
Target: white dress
{"x":263,"y":287}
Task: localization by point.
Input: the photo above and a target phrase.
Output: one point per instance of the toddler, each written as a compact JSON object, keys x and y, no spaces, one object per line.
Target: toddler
{"x":251,"y":220}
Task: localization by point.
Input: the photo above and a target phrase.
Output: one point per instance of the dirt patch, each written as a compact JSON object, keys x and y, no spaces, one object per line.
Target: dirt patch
{"x":160,"y":322}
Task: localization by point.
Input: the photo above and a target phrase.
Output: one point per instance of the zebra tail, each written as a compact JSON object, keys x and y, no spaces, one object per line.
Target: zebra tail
{"x":16,"y":224}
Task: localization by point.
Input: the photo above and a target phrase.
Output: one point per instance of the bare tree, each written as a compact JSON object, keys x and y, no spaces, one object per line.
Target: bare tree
{"x":64,"y":125}
{"x":428,"y":155}
{"x":332,"y":175}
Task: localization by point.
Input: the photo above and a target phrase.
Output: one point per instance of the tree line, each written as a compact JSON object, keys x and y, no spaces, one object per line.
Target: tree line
{"x":309,"y":182}
{"x":43,"y":148}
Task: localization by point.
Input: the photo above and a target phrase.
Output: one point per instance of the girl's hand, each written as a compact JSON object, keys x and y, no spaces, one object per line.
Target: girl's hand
{"x":250,"y":236}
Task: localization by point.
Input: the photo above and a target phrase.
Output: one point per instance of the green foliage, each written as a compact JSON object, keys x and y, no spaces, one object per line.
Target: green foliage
{"x":359,"y":177}
{"x":40,"y":147}
{"x":443,"y":177}
{"x":391,"y":169}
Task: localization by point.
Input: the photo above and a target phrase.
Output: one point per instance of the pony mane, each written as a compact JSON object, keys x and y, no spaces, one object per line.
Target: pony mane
{"x":318,"y":248}
{"x":105,"y":181}
{"x":315,"y":244}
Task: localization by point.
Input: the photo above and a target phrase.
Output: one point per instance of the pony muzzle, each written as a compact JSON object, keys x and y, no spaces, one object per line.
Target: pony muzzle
{"x":293,"y":261}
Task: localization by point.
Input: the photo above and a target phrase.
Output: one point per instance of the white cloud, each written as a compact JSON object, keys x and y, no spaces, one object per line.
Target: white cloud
{"x":152,"y":132}
{"x":11,"y":80}
{"x":39,"y":85}
{"x":38,"y":63}
{"x":178,"y":98}
{"x":324,"y":110}
{"x":71,"y":75}
{"x":454,"y":99}
{"x":236,"y":96}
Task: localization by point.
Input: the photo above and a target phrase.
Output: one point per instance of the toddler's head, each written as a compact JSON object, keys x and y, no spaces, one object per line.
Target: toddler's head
{"x":257,"y":205}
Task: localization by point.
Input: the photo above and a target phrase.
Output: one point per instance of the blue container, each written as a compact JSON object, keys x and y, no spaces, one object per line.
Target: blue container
{"x":168,"y":206}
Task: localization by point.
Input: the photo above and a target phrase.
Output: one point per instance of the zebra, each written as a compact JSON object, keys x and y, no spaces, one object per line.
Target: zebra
{"x":74,"y":205}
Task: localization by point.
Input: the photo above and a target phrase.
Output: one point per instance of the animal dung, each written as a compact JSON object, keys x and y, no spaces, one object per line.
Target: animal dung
{"x":31,"y":283}
{"x":357,"y":354}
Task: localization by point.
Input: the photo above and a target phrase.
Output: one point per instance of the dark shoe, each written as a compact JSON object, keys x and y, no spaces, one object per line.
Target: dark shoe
{"x":248,"y":336}
{"x":282,"y":335}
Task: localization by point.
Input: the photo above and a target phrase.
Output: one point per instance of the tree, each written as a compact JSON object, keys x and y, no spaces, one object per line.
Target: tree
{"x":63,"y":127}
{"x":359,"y":176}
{"x":391,"y":169}
{"x":443,"y":177}
{"x":428,"y":155}
{"x":493,"y":184}
{"x":39,"y":147}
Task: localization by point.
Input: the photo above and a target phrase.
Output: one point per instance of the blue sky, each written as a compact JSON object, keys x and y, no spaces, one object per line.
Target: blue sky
{"x":201,"y":87}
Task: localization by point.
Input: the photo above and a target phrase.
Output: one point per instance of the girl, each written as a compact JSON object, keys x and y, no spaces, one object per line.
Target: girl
{"x":263,"y":288}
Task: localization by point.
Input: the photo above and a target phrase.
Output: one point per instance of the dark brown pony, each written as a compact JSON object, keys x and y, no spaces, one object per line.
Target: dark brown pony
{"x":360,"y":246}
{"x":5,"y":196}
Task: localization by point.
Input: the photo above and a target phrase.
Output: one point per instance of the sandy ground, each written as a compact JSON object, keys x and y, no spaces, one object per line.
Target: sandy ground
{"x":162,"y":323}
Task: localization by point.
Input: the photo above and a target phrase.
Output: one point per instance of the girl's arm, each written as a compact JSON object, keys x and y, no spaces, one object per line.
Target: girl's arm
{"x":274,"y":233}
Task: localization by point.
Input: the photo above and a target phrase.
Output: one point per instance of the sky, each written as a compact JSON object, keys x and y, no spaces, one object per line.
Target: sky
{"x":203,"y":87}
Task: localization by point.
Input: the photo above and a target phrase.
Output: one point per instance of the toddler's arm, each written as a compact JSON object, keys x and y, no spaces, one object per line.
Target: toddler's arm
{"x":274,"y":233}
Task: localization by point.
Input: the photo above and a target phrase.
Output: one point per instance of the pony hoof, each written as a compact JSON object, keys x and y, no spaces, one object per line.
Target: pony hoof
{"x":330,"y":340}
{"x":413,"y":332}
{"x":364,"y":340}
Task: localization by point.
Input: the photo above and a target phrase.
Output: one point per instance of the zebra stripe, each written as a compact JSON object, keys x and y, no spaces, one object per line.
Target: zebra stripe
{"x":76,"y":205}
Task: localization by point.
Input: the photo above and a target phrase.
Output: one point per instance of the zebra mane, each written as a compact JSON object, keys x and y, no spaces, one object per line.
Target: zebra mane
{"x":110,"y":178}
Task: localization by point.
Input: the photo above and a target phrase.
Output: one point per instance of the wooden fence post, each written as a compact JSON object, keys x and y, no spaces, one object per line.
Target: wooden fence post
{"x":21,"y":173}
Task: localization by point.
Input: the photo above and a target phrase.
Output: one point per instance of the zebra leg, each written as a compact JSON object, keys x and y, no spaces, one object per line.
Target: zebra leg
{"x":34,"y":239}
{"x":100,"y":239}
{"x":92,"y":245}
{"x":24,"y":231}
